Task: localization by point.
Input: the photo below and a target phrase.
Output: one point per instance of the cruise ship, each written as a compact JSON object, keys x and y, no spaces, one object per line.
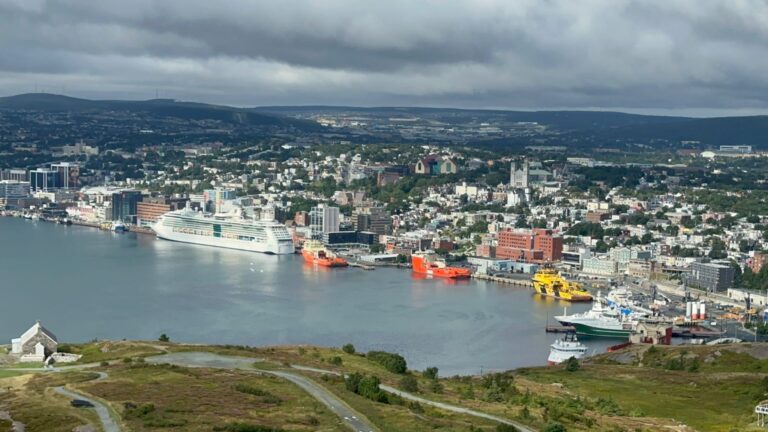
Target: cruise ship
{"x":230,"y":231}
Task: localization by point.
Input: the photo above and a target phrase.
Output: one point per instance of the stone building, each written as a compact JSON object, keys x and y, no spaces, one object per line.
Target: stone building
{"x":35,"y":342}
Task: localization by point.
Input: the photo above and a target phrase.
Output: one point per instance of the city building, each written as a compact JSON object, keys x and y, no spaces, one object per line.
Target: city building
{"x":434,"y":165}
{"x":518,"y":176}
{"x":711,"y":275}
{"x":323,"y":219}
{"x":736,"y":149}
{"x":373,"y":219}
{"x":44,"y":179}
{"x":537,"y":245}
{"x":12,"y":191}
{"x":14,"y":174}
{"x":757,"y":262}
{"x":68,"y":174}
{"x":125,"y":205}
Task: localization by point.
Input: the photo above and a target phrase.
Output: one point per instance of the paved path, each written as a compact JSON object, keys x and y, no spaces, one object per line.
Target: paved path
{"x":351,"y":418}
{"x":440,"y":405}
{"x":107,"y":422}
{"x":454,"y":408}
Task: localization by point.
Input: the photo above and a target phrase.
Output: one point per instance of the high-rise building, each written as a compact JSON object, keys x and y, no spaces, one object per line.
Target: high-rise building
{"x":44,"y":179}
{"x":148,"y":211}
{"x":69,"y":174}
{"x":11,"y":191}
{"x":125,"y":205}
{"x":215,"y":198}
{"x":373,"y":219}
{"x":323,"y":219}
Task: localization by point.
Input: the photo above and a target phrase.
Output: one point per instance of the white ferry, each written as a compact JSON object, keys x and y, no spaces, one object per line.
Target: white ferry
{"x":230,"y":231}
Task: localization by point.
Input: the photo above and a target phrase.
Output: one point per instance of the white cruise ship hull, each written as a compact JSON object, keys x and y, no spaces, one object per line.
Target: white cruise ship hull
{"x":270,"y":247}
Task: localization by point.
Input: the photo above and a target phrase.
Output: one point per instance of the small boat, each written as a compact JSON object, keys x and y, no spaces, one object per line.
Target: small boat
{"x":565,"y":348}
{"x":429,"y":264}
{"x":314,"y":252}
{"x":548,"y":282}
{"x":119,"y":227}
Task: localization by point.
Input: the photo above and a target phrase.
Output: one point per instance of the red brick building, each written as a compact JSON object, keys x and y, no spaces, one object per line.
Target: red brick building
{"x":537,"y":245}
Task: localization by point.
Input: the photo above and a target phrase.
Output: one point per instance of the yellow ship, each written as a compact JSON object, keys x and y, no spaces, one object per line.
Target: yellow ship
{"x":548,"y":282}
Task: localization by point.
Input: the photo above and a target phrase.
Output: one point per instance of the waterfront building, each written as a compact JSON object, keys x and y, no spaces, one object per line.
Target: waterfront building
{"x":125,"y":205}
{"x":68,"y":174}
{"x":537,"y":245}
{"x":149,"y":210}
{"x":711,"y":275}
{"x":323,"y":219}
{"x":11,"y":191}
{"x":600,"y":265}
{"x":44,"y":179}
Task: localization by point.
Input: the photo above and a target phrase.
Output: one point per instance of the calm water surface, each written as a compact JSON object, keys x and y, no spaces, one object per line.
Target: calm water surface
{"x":84,"y":283}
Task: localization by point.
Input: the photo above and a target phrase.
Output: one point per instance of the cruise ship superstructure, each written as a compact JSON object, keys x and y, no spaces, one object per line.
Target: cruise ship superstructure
{"x":230,"y":230}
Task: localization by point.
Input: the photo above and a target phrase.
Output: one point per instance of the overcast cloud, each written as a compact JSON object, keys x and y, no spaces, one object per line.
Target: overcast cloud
{"x":652,"y":56}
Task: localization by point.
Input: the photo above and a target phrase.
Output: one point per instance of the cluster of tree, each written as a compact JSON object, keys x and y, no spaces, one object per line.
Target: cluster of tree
{"x":755,"y":281}
{"x":594,"y":230}
{"x":366,"y":386}
{"x":394,"y":363}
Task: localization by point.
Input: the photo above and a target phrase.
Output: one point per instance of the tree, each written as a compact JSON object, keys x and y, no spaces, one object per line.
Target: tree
{"x":430,"y":373}
{"x":164,"y":338}
{"x":392,"y":362}
{"x":377,"y":248}
{"x":348,"y":348}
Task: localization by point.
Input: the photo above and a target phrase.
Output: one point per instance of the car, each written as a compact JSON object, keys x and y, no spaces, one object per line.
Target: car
{"x":79,"y":403}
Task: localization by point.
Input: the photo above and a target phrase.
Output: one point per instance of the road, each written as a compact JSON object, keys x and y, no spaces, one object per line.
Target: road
{"x":350,"y":417}
{"x":107,"y":422}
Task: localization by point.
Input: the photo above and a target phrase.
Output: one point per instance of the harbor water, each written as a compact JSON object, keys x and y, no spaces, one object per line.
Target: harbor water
{"x":87,"y":284}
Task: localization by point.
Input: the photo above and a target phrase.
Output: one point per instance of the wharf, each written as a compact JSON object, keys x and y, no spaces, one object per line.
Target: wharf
{"x":499,"y":279}
{"x":362,"y":266}
{"x":556,"y":328}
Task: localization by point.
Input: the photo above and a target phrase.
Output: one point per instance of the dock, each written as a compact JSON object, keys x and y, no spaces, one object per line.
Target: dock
{"x":360,"y":265}
{"x":557,"y":328}
{"x":519,"y":282}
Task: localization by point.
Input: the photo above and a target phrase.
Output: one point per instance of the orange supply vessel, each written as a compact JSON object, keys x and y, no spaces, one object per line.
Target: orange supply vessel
{"x":315,"y":253}
{"x":429,"y":264}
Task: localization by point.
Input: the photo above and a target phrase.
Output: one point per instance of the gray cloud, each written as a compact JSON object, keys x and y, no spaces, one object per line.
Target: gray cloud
{"x":641,"y":55}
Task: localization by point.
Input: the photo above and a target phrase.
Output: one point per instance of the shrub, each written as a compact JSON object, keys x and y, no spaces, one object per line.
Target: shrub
{"x":554,"y":427}
{"x":336,"y":360}
{"x":392,"y":362}
{"x":164,"y":338}
{"x":265,"y":396}
{"x":436,"y":387}
{"x":409,"y":383}
{"x":104,"y":363}
{"x":245,"y":427}
{"x":127,"y":360}
{"x":572,"y":364}
{"x":366,"y":386}
{"x":430,"y":373}
{"x":506,"y":428}
{"x":141,"y":411}
{"x":348,"y":348}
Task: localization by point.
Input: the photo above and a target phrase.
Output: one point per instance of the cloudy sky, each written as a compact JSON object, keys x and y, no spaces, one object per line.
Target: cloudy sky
{"x":698,"y":56}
